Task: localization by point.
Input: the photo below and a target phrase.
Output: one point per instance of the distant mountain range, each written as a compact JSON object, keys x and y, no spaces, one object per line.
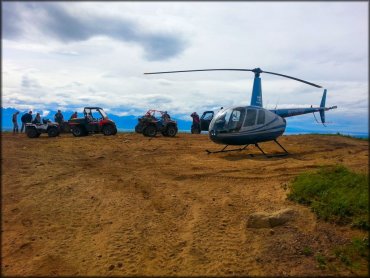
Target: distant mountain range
{"x":296,"y":125}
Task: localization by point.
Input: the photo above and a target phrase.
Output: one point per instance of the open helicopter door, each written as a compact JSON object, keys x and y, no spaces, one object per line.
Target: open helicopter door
{"x":205,"y":120}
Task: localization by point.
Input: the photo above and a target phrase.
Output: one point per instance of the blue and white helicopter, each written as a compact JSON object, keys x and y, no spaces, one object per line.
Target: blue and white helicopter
{"x":253,"y":124}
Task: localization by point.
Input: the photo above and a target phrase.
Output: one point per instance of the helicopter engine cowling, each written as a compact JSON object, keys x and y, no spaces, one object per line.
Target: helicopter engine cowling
{"x":245,"y":125}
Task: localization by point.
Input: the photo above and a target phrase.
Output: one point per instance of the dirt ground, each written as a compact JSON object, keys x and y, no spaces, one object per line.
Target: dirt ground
{"x":129,"y":205}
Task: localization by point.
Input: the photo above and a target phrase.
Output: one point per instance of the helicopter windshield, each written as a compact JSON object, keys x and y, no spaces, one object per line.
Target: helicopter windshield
{"x":228,"y":120}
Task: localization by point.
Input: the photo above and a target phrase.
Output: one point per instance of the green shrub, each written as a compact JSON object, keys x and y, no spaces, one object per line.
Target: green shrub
{"x":352,"y":253}
{"x":335,"y":194}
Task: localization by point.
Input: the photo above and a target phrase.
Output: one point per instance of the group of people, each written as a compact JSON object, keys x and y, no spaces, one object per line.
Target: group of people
{"x":27,"y":118}
{"x":58,"y":117}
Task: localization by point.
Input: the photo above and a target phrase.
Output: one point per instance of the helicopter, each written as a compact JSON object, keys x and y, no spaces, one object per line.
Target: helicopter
{"x":253,"y":124}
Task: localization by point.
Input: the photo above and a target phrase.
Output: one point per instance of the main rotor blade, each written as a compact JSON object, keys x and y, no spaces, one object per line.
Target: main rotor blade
{"x":287,"y":76}
{"x":256,"y":71}
{"x":195,"y":70}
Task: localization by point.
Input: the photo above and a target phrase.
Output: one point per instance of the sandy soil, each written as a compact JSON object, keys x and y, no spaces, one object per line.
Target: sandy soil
{"x":129,"y":205}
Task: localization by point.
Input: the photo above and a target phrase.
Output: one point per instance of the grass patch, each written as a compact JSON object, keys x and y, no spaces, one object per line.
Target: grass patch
{"x":321,"y":260}
{"x":352,"y":254}
{"x":307,"y":251}
{"x":335,"y":194}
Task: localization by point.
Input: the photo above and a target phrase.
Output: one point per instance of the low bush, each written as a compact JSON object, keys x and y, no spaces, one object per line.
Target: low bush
{"x":335,"y":194}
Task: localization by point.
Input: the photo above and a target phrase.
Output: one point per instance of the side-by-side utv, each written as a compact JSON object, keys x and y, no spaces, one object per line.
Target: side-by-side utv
{"x":95,"y":120}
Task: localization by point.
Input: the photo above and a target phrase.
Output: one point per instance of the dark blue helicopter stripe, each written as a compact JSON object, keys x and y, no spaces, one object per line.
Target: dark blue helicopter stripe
{"x":247,"y":132}
{"x":259,"y":128}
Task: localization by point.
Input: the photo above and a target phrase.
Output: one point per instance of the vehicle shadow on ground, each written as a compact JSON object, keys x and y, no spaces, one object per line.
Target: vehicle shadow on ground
{"x":268,"y":156}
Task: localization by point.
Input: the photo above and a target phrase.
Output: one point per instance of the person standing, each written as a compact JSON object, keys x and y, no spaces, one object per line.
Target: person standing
{"x":59,"y":118}
{"x":26,"y":118}
{"x":196,"y":123}
{"x":195,"y":117}
{"x":15,"y":122}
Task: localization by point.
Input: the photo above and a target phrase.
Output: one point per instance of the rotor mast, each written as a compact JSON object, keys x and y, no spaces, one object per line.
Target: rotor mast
{"x":256,"y":99}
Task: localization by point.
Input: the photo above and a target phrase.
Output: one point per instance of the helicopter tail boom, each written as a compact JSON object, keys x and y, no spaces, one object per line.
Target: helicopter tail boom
{"x":290,"y":112}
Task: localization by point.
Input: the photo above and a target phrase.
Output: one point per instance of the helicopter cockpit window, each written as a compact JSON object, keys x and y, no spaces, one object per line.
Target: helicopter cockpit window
{"x":229,"y":120}
{"x":251,"y":117}
{"x":236,"y":119}
{"x":261,"y":117}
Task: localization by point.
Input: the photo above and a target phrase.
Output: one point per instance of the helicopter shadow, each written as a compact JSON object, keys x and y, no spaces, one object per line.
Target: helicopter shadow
{"x":303,"y":156}
{"x":260,"y":157}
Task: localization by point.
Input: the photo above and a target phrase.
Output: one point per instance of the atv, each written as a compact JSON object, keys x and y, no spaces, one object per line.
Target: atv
{"x":150,"y":115}
{"x":35,"y":130}
{"x":95,"y":120}
{"x":150,"y":125}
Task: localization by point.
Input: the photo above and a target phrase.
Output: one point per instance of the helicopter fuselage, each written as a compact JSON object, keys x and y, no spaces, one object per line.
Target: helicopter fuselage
{"x":245,"y":125}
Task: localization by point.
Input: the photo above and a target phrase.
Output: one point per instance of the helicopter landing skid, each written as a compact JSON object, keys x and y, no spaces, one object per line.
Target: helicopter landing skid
{"x":273,"y":155}
{"x":224,"y":151}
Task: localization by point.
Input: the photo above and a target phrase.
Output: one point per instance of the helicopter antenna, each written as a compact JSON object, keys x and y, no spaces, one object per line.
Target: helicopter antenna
{"x":256,"y":71}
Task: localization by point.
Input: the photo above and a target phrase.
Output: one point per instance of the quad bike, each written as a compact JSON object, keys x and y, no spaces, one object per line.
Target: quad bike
{"x":35,"y":130}
{"x":150,"y":125}
{"x":95,"y":120}
{"x":150,"y":115}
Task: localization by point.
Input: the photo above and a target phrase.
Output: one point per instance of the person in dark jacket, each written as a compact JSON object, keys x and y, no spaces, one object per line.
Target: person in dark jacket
{"x":15,"y":122}
{"x":196,"y":121}
{"x":166,"y":117}
{"x":195,"y":117}
{"x":59,"y":118}
{"x":37,"y":119}
{"x":26,"y":118}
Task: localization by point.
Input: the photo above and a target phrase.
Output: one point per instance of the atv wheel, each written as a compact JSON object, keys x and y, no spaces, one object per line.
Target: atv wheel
{"x":139,"y":128}
{"x":65,"y":128}
{"x":53,"y":132}
{"x":108,"y":130}
{"x":114,"y":131}
{"x":164,"y":133}
{"x":32,"y":132}
{"x":150,"y":131}
{"x":77,"y":131}
{"x":171,"y":131}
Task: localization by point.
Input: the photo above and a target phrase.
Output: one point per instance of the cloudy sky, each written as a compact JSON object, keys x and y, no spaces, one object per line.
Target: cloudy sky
{"x":68,"y":55}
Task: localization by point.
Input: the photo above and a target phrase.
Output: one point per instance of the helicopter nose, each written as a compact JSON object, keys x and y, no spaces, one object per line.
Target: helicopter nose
{"x":213,"y":135}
